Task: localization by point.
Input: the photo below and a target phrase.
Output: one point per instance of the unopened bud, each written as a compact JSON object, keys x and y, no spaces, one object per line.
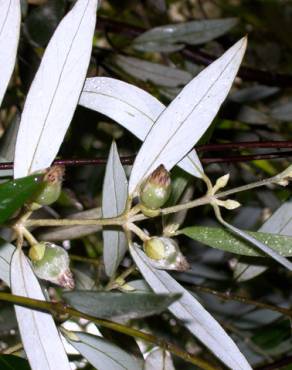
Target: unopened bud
{"x":156,"y":189}
{"x":165,"y":254}
{"x":54,"y":265}
{"x":52,"y":186}
{"x":37,"y":251}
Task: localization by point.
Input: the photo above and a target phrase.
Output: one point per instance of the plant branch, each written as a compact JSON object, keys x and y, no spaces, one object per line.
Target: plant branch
{"x":62,"y":309}
{"x":231,"y":297}
{"x":199,"y":148}
{"x":279,"y":364}
{"x":122,"y":220}
{"x":119,"y":221}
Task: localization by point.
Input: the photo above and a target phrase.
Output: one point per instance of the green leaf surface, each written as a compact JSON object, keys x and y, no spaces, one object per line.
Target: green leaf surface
{"x":119,"y":305}
{"x":222,"y":239}
{"x":38,"y":31}
{"x":171,"y":37}
{"x":14,"y":193}
{"x":102,"y":354}
{"x":10,"y":362}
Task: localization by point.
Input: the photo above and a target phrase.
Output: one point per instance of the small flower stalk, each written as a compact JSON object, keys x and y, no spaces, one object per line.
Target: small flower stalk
{"x":165,"y":254}
{"x":51,"y":190}
{"x":156,"y":189}
{"x":284,"y":177}
{"x":51,"y":262}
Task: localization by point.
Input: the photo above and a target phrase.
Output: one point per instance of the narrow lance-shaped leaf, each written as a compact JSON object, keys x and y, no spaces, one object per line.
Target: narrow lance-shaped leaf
{"x":55,"y":91}
{"x":279,"y":223}
{"x":131,"y":107}
{"x":114,"y":197}
{"x":9,"y":35}
{"x":172,"y":36}
{"x":222,"y":239}
{"x":182,"y":124}
{"x":192,"y":313}
{"x":115,"y":305}
{"x":40,"y":337}
{"x":6,"y":252}
{"x":102,"y":354}
{"x":261,"y":246}
{"x":159,"y":74}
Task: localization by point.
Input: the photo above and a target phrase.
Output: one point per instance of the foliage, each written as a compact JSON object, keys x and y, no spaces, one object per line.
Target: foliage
{"x":94,"y":79}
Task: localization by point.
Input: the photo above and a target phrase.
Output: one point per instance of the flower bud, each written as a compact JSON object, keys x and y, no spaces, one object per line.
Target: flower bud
{"x":53,"y":264}
{"x":156,"y":189}
{"x":52,"y":186}
{"x":165,"y":254}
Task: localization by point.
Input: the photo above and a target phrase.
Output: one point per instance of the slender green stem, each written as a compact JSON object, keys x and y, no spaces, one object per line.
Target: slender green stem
{"x":62,"y":309}
{"x":91,"y":261}
{"x":136,"y":230}
{"x":29,"y":237}
{"x":120,"y":220}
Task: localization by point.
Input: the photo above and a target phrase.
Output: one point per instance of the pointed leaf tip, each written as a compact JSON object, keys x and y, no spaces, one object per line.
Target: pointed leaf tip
{"x":185,"y":120}
{"x":55,"y":90}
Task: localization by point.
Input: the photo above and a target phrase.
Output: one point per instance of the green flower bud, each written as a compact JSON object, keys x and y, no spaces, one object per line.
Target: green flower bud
{"x":165,"y":254}
{"x":53,"y":266}
{"x":37,"y":251}
{"x":51,"y":189}
{"x":156,"y":189}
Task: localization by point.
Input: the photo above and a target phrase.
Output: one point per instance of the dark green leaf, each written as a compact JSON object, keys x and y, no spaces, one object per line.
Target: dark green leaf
{"x":171,"y":37}
{"x":224,"y":240}
{"x":119,"y":305}
{"x":14,"y":193}
{"x":43,"y":20}
{"x":272,"y":335}
{"x":10,"y":362}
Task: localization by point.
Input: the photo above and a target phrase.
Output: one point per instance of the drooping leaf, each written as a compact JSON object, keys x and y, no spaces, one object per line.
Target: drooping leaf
{"x":40,"y":337}
{"x":257,"y":243}
{"x":6,"y":252}
{"x":119,"y":305}
{"x":279,"y":223}
{"x":55,"y":90}
{"x":219,"y":238}
{"x":114,"y":197}
{"x":10,"y":362}
{"x":186,"y":119}
{"x":172,"y":37}
{"x":253,"y":93}
{"x":146,"y":71}
{"x":131,"y":107}
{"x":9,"y":36}
{"x":14,"y":193}
{"x":192,"y":314}
{"x":102,"y":354}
